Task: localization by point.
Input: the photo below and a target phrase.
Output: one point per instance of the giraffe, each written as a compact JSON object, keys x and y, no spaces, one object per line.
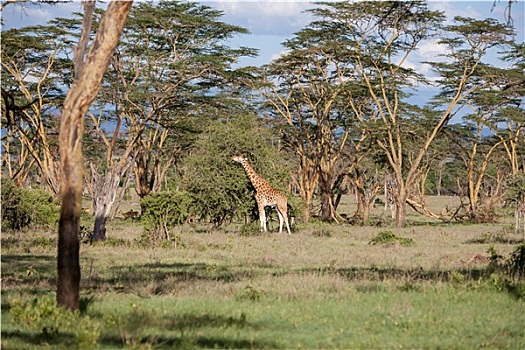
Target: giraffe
{"x":265,"y":195}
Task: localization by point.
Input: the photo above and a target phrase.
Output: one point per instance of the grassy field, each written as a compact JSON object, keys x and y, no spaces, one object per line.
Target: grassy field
{"x":325,"y":286}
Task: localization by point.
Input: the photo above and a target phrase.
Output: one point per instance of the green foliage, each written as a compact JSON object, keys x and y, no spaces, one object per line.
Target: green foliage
{"x":42,"y":315}
{"x":495,"y":257}
{"x":295,"y":208}
{"x":516,"y":262}
{"x":515,"y":193}
{"x":23,"y":208}
{"x":509,"y":273}
{"x":388,"y":237}
{"x":457,"y":278}
{"x":219,"y":185}
{"x":164,"y":210}
{"x":251,"y":229}
{"x":250,"y":293}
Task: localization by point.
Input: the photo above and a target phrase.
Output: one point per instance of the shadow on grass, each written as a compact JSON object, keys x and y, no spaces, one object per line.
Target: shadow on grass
{"x":378,"y":274}
{"x":30,"y":274}
{"x":186,"y":331}
{"x":39,"y":340}
{"x":12,"y":264}
{"x":33,"y":273}
{"x":187,"y":342}
{"x":495,"y":239}
{"x":129,"y":277}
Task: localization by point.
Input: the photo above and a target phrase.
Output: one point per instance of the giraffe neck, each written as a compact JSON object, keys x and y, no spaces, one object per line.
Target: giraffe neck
{"x":257,"y":181}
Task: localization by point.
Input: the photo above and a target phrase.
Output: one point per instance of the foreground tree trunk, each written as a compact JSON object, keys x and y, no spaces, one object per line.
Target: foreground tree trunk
{"x":88,"y":74}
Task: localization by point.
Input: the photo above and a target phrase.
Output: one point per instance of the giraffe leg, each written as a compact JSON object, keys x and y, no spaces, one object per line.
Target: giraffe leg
{"x":287,"y":225}
{"x":283,"y":216}
{"x":262,"y":217}
{"x":280,"y":221}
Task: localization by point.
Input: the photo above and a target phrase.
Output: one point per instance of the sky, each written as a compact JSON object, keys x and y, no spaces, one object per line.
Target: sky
{"x":272,"y":22}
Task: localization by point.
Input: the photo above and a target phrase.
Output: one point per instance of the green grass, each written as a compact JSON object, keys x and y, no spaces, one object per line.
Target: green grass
{"x":433,"y":316}
{"x":439,"y":317}
{"x":221,"y":289}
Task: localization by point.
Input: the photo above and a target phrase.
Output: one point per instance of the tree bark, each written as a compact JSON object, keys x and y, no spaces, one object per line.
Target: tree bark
{"x":76,"y":104}
{"x":104,"y":191}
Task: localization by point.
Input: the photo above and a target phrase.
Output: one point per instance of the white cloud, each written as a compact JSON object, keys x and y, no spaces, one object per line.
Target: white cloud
{"x":431,"y":50}
{"x":23,"y":14}
{"x":278,"y":55}
{"x":452,"y":9}
{"x":265,"y":17}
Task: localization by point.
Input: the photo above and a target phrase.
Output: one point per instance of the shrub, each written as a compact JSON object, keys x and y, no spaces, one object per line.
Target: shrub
{"x":322,"y":229}
{"x":164,"y":210}
{"x":221,"y":188}
{"x":295,"y":209}
{"x":516,"y":262}
{"x":42,"y":315}
{"x":23,"y":208}
{"x":388,"y":237}
{"x":509,"y":273}
{"x":251,"y":229}
{"x":250,"y":293}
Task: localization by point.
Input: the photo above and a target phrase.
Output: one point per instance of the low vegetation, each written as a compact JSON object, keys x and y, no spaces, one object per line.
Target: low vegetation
{"x":388,"y":237}
{"x":24,"y":208}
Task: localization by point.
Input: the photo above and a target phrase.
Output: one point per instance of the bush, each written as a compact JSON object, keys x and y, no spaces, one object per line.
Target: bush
{"x":23,"y":208}
{"x":322,"y":229}
{"x":516,"y":262}
{"x":251,"y":229}
{"x":388,"y":237}
{"x":42,"y":315}
{"x":509,"y":274}
{"x":221,"y":188}
{"x":164,"y":210}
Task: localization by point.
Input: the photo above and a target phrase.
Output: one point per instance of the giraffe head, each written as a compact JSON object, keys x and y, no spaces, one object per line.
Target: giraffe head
{"x":239,"y":158}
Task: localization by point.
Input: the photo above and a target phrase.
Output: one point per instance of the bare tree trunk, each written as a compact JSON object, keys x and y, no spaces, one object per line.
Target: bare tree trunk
{"x":307,"y":182}
{"x":401,"y":214}
{"x":327,"y":207}
{"x":400,"y":200}
{"x":76,"y":104}
{"x":121,"y":195}
{"x":327,"y":197}
{"x":105,"y":189}
{"x":366,"y":211}
{"x":143,"y":184}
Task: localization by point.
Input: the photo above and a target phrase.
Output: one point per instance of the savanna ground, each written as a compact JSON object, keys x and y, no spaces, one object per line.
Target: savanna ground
{"x":325,"y":286}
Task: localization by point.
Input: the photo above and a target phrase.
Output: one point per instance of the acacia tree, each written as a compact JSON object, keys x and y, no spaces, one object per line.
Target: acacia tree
{"x":35,"y":70}
{"x":366,"y":177}
{"x":514,"y":138}
{"x":362,"y":47}
{"x":171,"y":62}
{"x":90,"y":67}
{"x":512,"y":115}
{"x":379,"y":38}
{"x":303,"y":94}
{"x":481,"y":84}
{"x":221,"y":189}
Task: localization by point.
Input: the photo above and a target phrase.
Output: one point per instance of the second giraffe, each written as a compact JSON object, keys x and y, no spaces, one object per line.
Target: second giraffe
{"x":265,"y":195}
